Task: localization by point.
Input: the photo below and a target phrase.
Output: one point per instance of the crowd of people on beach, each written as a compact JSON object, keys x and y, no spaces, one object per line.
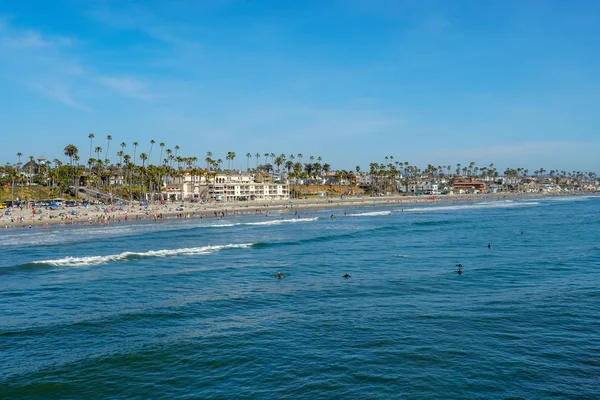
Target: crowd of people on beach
{"x":30,"y":216}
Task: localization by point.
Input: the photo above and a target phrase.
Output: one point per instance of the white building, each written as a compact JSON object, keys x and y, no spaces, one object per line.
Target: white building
{"x":234,"y":191}
{"x":225,"y":187}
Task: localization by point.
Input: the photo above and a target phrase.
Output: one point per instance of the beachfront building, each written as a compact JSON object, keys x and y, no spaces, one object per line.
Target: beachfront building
{"x":420,"y":187}
{"x":363,"y":180}
{"x":241,"y":191}
{"x":469,"y":187}
{"x":220,"y":186}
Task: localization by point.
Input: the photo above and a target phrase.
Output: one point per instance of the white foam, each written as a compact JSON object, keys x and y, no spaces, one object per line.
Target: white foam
{"x":96,"y":260}
{"x":370,"y":214}
{"x":570,"y":198}
{"x":282,"y":221}
{"x":475,"y":206}
{"x":217,"y":226}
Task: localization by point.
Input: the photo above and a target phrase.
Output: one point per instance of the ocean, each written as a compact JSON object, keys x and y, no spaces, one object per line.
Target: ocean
{"x":191,"y":308}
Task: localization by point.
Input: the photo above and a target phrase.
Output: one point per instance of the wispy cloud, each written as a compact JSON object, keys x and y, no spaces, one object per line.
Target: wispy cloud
{"x":60,"y":93}
{"x":54,"y":67}
{"x":126,"y":86}
{"x":24,"y":40}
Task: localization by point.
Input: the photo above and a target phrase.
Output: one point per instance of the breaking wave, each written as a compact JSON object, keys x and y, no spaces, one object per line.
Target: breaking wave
{"x":270,"y":222}
{"x":130,"y":255}
{"x":370,"y":214}
{"x":506,"y":204}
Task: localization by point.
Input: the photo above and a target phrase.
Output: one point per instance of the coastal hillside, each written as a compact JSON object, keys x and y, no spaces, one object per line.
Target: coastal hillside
{"x":329,"y":190}
{"x":29,"y":193}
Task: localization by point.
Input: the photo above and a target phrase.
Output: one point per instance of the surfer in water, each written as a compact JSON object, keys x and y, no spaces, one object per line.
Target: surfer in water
{"x":489,"y":245}
{"x":346,"y":275}
{"x":459,"y":269}
{"x":279,"y":275}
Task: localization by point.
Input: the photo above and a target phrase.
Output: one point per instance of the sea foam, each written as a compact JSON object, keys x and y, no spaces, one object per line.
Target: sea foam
{"x":507,"y":204}
{"x":97,"y":260}
{"x":370,"y":214}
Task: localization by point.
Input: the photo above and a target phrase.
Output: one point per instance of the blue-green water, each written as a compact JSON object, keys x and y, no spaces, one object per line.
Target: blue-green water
{"x":192,"y":308}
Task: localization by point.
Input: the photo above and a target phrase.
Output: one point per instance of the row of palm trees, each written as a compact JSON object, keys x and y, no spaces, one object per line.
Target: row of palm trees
{"x":146,"y":177}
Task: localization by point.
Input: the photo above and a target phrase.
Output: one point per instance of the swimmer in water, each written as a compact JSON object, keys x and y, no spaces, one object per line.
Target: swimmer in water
{"x":489,"y":245}
{"x":347,"y":275}
{"x":279,"y":275}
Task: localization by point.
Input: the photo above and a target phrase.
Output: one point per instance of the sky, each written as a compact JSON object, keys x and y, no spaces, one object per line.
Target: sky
{"x":515,"y":83}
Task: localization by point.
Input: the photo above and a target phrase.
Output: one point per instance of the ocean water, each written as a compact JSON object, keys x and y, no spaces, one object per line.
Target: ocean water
{"x":193,"y":308}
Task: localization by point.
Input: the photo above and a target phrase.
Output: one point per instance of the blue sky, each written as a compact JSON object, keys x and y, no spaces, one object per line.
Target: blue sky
{"x":510,"y":82}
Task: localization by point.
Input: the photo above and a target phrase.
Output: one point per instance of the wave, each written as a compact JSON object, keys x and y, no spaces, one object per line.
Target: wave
{"x":130,"y":255}
{"x":438,"y":223}
{"x":270,"y":222}
{"x":475,"y":206}
{"x":369,"y":214}
{"x":281,"y":221}
{"x":327,"y":238}
{"x":572,"y":198}
{"x":76,"y":234}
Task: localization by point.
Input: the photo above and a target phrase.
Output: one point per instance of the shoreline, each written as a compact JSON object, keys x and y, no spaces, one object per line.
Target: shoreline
{"x":97,"y":215}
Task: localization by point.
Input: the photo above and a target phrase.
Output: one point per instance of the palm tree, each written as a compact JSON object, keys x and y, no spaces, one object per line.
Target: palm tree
{"x":162,"y":145}
{"x":279,"y":162}
{"x":151,"y":146}
{"x":98,"y":150}
{"x":91,"y":136}
{"x":108,"y":139}
{"x":19,"y":154}
{"x":71,"y":151}
{"x":135,"y":145}
{"x":31,"y":164}
{"x":248,"y":156}
{"x":143,"y":157}
{"x":257,"y":155}
{"x":289,"y":164}
{"x":208,"y":159}
{"x":12,"y":175}
{"x":120,"y":154}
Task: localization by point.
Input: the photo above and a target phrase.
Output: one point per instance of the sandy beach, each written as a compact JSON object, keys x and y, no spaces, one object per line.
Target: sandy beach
{"x":29,"y":217}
